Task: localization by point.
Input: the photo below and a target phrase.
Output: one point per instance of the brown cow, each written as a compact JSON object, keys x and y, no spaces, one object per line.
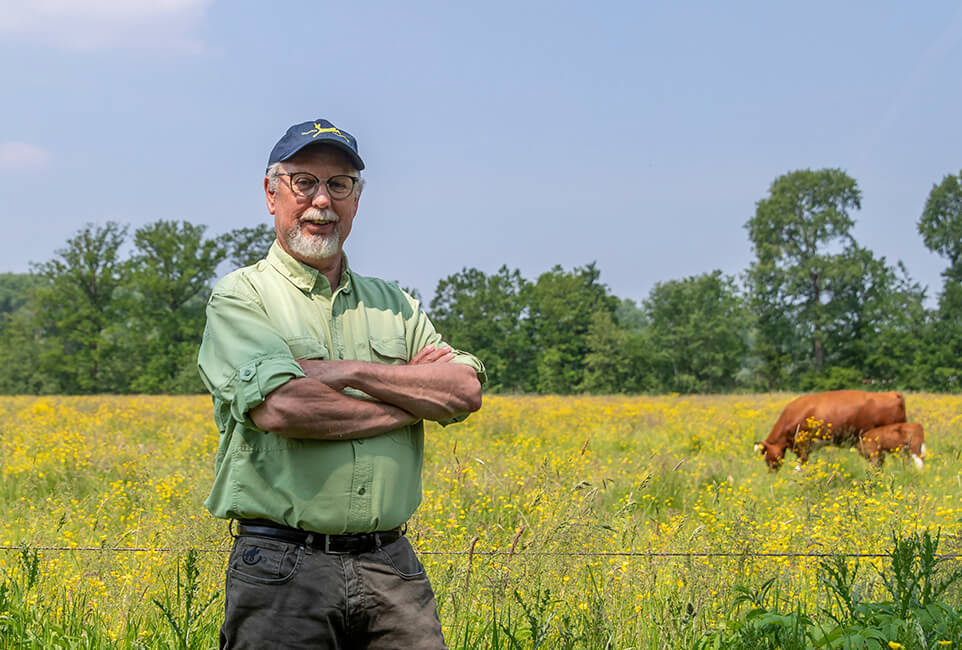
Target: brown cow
{"x":835,"y":416}
{"x":906,"y":436}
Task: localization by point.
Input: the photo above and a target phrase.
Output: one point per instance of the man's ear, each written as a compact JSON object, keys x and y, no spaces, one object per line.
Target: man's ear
{"x":269,"y":195}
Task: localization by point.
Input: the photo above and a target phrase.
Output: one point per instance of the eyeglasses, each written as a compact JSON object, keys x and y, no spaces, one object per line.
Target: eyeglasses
{"x":306,"y":185}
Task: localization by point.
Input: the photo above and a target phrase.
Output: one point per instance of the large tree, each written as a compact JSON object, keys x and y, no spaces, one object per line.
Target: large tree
{"x":798,"y":234}
{"x":698,"y":333}
{"x":172,"y":268}
{"x":943,"y":361}
{"x":15,"y":290}
{"x":875,"y":323}
{"x":562,"y":306}
{"x":941,"y":228}
{"x":941,"y":223}
{"x":75,"y":313}
{"x":484,"y":314}
{"x":245,"y":246}
{"x":619,"y":357}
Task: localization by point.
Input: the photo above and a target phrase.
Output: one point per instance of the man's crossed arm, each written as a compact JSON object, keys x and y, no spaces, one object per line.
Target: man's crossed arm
{"x":428,"y":387}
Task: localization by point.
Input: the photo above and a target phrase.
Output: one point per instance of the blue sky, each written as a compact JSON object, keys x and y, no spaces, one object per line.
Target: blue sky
{"x":638,"y":135}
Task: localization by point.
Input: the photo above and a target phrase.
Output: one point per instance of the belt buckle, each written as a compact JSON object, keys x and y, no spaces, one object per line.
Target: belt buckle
{"x":327,"y":547}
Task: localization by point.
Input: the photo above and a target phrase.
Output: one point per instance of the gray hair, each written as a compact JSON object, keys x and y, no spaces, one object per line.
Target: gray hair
{"x":274,"y":178}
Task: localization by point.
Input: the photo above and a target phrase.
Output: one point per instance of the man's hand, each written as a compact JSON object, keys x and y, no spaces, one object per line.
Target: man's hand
{"x":430,"y":354}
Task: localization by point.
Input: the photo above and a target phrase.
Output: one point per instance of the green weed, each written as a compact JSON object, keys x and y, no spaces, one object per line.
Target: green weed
{"x":913,"y":617}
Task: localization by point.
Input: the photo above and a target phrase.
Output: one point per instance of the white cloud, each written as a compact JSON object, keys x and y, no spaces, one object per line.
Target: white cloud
{"x":21,"y":155}
{"x":101,"y":24}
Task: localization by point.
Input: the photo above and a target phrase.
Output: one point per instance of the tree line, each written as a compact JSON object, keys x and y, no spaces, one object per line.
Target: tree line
{"x":815,"y":310}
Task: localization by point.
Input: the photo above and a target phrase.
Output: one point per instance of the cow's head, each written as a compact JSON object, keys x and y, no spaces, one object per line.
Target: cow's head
{"x":773,"y":454}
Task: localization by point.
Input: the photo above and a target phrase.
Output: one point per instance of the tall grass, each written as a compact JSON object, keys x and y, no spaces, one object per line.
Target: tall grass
{"x":526,"y":505}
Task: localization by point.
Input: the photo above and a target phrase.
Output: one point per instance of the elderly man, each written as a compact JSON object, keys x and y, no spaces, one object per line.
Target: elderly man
{"x":321,"y":379}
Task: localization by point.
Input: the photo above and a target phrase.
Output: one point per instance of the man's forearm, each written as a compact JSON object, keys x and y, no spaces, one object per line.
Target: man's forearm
{"x":432,"y":391}
{"x":307,"y":408}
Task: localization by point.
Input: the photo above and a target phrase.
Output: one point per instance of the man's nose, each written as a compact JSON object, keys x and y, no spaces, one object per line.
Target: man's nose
{"x":321,"y":198}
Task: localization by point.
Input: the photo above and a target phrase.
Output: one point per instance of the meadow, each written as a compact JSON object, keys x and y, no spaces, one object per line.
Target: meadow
{"x":557,"y":521}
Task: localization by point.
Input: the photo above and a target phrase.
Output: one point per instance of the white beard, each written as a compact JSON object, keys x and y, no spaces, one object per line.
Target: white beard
{"x":315,"y":248}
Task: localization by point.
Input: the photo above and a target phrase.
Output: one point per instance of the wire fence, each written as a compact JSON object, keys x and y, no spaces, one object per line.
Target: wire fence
{"x":511,"y":553}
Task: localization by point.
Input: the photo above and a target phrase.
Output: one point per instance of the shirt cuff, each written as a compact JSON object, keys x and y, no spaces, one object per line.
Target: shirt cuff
{"x":470,"y":360}
{"x":255,"y":380}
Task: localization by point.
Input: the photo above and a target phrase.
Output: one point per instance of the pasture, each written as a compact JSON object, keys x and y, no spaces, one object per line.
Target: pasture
{"x":544,"y":521}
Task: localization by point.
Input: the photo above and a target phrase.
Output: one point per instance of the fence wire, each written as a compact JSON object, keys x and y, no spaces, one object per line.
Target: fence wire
{"x":644,"y":554}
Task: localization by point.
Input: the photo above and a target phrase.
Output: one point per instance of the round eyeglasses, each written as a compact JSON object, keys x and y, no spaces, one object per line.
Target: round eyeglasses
{"x":306,"y":185}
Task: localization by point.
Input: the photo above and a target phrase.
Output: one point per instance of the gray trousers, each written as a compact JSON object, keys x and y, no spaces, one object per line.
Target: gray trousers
{"x":284,"y":595}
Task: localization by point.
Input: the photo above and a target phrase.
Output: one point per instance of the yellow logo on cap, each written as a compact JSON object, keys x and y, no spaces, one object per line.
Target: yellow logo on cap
{"x":318,"y":130}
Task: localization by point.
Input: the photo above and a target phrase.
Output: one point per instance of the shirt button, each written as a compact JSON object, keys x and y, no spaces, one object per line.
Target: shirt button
{"x":361,"y":491}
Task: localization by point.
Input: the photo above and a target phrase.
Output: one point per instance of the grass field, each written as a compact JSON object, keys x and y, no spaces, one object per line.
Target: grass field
{"x":531,"y":511}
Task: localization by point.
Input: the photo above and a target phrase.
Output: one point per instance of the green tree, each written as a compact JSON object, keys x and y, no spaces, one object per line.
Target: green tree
{"x":172,"y":270}
{"x":630,"y":316}
{"x":245,"y":246}
{"x":485,"y":314}
{"x":942,"y":364}
{"x":893,"y":342}
{"x":876,"y":323}
{"x":20,"y":346}
{"x":698,"y":333}
{"x":74,"y":313}
{"x":619,"y":358}
{"x":794,"y":232}
{"x":941,"y":223}
{"x":561,"y":308}
{"x":941,"y":228}
{"x":15,"y":290}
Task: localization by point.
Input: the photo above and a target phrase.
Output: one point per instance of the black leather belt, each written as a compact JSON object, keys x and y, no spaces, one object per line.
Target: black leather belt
{"x":335,"y":544}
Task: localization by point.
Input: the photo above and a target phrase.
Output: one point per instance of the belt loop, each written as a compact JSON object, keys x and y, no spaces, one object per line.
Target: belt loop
{"x":377,"y":541}
{"x":230,"y":528}
{"x":308,"y":544}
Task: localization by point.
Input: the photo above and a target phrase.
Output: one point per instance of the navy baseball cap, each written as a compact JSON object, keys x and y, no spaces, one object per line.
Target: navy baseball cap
{"x":315,"y":132}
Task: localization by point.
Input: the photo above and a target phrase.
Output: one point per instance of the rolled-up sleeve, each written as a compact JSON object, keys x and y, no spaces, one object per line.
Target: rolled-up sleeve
{"x":242,"y":357}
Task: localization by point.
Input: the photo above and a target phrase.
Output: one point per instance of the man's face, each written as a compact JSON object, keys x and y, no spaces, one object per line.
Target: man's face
{"x":313,"y":230}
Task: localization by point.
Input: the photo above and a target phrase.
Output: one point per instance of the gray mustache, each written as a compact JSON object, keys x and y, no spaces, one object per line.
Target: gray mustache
{"x":319,"y":215}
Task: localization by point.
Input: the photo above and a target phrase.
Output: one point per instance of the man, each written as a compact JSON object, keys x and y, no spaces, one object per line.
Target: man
{"x":321,"y":379}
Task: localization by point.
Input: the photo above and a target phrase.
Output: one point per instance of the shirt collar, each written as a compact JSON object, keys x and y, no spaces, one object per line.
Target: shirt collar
{"x":302,"y":276}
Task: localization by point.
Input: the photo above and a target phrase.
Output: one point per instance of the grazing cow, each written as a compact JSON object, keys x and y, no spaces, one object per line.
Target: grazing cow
{"x":835,"y":416}
{"x":905,"y":436}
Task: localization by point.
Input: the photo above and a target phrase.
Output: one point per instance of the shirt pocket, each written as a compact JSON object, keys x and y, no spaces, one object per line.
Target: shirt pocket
{"x":307,"y":347}
{"x":392,"y":351}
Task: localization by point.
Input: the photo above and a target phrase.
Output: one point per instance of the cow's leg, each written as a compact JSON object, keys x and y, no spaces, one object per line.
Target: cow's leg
{"x":801,"y":454}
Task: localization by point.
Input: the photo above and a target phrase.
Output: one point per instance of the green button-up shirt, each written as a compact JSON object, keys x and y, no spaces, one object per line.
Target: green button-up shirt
{"x":260,"y":319}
